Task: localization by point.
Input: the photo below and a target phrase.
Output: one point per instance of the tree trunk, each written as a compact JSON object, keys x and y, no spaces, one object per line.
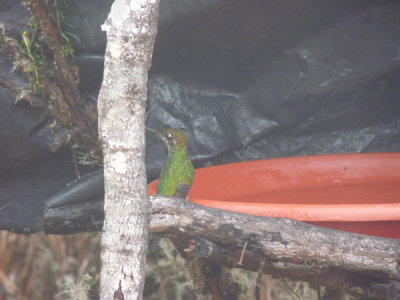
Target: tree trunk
{"x":131,"y":29}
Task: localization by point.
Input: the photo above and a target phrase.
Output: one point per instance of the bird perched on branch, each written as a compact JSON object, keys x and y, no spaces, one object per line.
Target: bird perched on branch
{"x":177,"y":174}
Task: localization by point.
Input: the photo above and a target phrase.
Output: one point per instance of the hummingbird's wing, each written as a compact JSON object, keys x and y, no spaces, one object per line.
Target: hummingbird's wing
{"x":182,"y":190}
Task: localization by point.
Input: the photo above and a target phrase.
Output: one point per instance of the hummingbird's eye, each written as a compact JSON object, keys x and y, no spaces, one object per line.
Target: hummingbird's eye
{"x":168,"y":135}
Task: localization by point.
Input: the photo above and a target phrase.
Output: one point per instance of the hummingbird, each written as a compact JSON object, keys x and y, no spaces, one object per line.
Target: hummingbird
{"x":177,"y":173}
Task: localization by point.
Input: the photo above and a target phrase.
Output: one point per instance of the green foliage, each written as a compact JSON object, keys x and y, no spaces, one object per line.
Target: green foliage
{"x":67,"y":50}
{"x":62,"y":24}
{"x":86,"y":158}
{"x":41,"y":52}
{"x":30,"y":46}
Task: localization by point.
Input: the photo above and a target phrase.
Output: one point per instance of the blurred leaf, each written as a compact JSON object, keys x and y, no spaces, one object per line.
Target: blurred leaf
{"x":74,"y":36}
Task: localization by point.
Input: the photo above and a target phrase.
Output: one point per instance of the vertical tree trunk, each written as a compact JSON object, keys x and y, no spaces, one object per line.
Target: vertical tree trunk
{"x":131,"y":29}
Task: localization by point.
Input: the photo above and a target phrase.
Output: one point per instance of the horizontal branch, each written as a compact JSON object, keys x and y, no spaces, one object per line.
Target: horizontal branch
{"x":362,"y":265}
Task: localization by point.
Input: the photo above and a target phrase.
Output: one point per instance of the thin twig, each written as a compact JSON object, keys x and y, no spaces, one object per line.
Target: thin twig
{"x":260,"y":273}
{"x":5,"y":206}
{"x":290,"y":289}
{"x":75,"y":163}
{"x":9,"y":85}
{"x":242,"y":254}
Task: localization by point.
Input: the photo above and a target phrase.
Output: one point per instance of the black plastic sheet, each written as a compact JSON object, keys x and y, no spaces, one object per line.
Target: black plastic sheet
{"x":244,"y":79}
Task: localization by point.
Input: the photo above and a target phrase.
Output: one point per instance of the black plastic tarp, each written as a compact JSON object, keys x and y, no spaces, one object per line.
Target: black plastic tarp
{"x":245,"y":80}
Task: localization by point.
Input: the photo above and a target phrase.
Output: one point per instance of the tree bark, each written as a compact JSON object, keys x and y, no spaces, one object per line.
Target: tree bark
{"x":131,"y":29}
{"x":364,"y":266}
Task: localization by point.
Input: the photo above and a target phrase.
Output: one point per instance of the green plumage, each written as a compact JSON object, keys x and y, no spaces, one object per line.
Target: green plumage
{"x":177,"y":174}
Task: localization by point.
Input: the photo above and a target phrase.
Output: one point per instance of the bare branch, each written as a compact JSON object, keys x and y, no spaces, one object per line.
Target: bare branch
{"x":362,"y":265}
{"x":9,"y":85}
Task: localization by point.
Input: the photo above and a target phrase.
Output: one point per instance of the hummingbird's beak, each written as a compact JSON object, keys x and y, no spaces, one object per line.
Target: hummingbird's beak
{"x":157,"y":133}
{"x":151,"y":130}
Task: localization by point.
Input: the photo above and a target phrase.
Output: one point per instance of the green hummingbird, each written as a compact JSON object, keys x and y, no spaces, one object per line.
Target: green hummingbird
{"x":177,"y":174}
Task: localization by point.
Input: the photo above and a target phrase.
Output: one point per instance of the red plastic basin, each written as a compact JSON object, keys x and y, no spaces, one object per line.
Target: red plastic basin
{"x":352,"y":192}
